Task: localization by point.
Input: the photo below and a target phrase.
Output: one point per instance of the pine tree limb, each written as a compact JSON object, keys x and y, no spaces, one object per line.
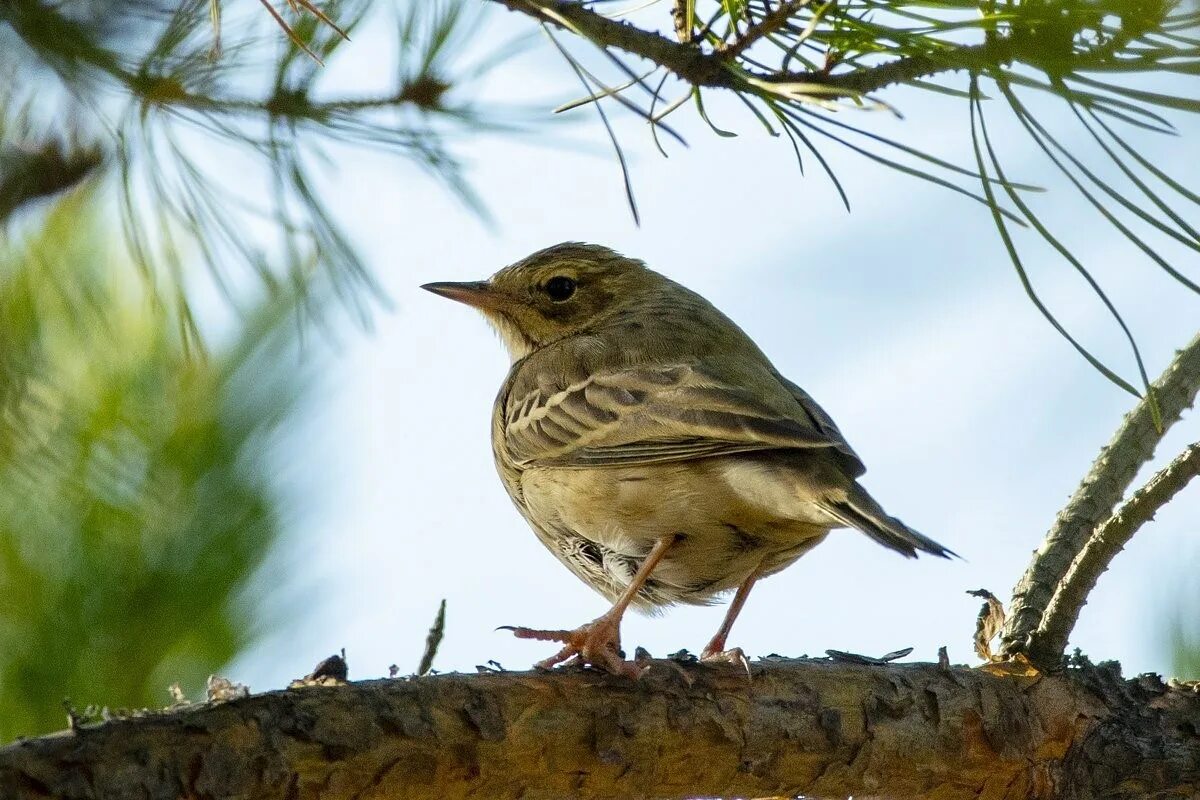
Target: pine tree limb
{"x":1050,"y":640}
{"x":806,"y":727}
{"x":705,"y":69}
{"x":1098,"y":494}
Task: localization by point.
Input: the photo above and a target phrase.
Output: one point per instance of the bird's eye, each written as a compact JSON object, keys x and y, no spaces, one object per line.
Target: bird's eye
{"x":560,"y":288}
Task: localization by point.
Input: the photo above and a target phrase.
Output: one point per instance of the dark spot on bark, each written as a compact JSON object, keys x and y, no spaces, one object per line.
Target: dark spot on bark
{"x":406,"y":716}
{"x":484,"y":713}
{"x":336,"y":752}
{"x":933,"y":711}
{"x":890,"y":705}
{"x":830,"y":720}
{"x":609,"y":735}
{"x":1005,"y":722}
{"x":298,"y":723}
{"x":194,"y":767}
{"x":633,"y":479}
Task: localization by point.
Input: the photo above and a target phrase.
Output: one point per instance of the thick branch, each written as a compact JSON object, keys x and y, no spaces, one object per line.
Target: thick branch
{"x":701,"y":68}
{"x":1049,"y":641}
{"x":798,"y":727}
{"x":1093,"y":502}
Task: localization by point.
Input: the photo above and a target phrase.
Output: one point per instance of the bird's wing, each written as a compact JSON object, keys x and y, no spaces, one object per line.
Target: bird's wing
{"x":650,"y":414}
{"x":824,"y":423}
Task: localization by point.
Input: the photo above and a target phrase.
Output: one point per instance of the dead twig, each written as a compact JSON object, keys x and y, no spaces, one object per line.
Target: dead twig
{"x":433,"y":640}
{"x":298,"y":6}
{"x":989,"y":623}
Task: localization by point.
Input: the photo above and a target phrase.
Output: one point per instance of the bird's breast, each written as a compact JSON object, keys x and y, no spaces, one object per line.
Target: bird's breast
{"x":729,"y":521}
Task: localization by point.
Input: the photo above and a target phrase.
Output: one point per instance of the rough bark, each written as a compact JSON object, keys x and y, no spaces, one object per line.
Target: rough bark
{"x":1098,"y":494}
{"x":799,"y":726}
{"x":1109,"y":538}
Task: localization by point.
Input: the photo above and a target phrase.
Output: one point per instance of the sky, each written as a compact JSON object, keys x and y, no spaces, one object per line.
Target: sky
{"x":903,"y":318}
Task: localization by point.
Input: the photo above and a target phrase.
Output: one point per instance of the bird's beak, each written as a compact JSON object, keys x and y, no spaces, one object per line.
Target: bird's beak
{"x":479,"y":294}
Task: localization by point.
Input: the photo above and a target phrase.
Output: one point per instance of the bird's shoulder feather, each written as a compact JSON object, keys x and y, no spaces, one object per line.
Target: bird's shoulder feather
{"x":582,"y":405}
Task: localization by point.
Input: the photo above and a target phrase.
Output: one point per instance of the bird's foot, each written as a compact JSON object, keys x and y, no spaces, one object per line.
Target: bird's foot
{"x":597,"y":643}
{"x":734,"y":655}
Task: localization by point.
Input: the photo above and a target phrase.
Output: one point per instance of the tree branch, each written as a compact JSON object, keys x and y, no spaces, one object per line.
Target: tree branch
{"x":771,"y":22}
{"x":799,"y":726}
{"x":1093,"y":502}
{"x":1050,"y":640}
{"x":701,"y":68}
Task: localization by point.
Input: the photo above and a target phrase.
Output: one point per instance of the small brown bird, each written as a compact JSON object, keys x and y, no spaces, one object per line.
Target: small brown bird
{"x":653,"y":447}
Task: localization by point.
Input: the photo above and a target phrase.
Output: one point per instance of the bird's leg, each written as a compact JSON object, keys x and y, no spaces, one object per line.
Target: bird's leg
{"x":599,"y":642}
{"x":715,"y":649}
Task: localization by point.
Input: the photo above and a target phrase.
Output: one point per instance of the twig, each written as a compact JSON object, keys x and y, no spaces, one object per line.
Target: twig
{"x":772,"y":22}
{"x":319,"y":14}
{"x":296,"y":6}
{"x":988,"y":624}
{"x":433,"y":640}
{"x":1048,"y":642}
{"x":682,"y":19}
{"x":702,"y":68}
{"x":40,"y":169}
{"x":291,"y":33}
{"x":1099,"y":493}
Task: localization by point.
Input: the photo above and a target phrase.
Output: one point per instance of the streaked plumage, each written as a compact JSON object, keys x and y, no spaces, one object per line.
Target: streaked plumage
{"x":635,"y":410}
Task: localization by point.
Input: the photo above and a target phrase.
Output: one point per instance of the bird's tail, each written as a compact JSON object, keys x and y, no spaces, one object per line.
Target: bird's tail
{"x":859,"y":510}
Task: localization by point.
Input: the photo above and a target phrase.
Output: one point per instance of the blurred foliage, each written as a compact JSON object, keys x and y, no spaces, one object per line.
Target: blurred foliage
{"x":136,"y":497}
{"x":135,"y":494}
{"x":1186,"y":657}
{"x":216,"y":121}
{"x":1184,"y":635}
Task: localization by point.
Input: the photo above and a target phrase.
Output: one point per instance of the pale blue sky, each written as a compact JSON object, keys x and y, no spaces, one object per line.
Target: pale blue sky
{"x":903,"y":318}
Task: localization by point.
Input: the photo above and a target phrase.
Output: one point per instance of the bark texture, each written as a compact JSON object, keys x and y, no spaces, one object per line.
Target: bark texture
{"x":1098,"y":494}
{"x":807,"y":727}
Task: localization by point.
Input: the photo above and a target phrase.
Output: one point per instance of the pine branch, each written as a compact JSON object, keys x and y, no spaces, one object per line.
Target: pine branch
{"x":1098,"y":494}
{"x":712,"y":69}
{"x":817,"y":728}
{"x":39,"y":170}
{"x":1047,"y":644}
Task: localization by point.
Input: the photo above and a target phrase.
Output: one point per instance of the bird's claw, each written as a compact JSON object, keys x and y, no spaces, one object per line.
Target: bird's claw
{"x":733,"y":656}
{"x":597,"y":643}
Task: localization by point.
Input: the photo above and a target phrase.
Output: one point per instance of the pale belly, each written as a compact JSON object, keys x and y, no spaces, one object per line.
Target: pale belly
{"x":732,"y":515}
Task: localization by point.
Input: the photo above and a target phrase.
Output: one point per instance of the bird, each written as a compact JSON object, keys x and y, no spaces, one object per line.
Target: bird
{"x":654,"y":449}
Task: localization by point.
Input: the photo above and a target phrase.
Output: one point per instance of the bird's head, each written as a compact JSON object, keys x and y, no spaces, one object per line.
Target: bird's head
{"x":554,"y":293}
